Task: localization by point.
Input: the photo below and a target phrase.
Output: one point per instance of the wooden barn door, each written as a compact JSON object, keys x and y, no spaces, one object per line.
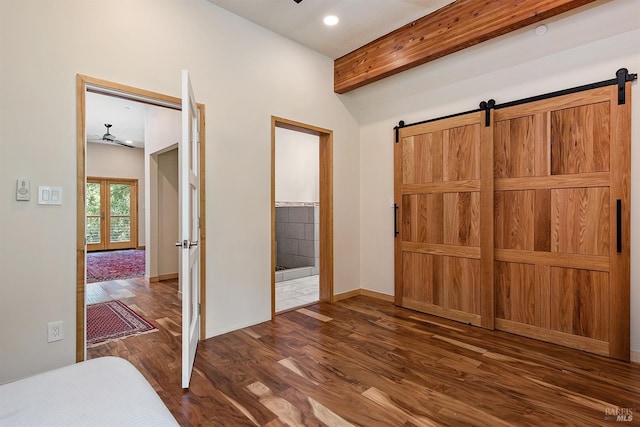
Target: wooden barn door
{"x":444,"y":196}
{"x":561,"y":184}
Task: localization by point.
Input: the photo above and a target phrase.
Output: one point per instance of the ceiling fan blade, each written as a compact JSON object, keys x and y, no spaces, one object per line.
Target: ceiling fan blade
{"x":124,"y":144}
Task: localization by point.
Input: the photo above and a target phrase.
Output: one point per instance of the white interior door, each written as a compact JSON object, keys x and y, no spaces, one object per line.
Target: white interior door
{"x":189,"y":172}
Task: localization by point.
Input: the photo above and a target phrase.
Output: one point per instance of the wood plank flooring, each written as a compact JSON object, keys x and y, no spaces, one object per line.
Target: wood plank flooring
{"x":365,"y":362}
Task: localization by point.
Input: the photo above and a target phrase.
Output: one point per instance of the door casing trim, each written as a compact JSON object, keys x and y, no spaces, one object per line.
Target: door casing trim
{"x":326,"y":205}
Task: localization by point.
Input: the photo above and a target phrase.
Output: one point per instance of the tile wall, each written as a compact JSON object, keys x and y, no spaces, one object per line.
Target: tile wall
{"x":297,"y":234}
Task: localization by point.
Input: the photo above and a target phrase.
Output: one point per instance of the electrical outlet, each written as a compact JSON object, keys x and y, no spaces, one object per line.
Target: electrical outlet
{"x":55,"y":331}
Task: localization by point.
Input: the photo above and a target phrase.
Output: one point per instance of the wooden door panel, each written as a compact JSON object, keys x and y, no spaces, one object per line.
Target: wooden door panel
{"x":542,"y":218}
{"x":462,"y":279}
{"x":424,"y":224}
{"x":579,"y":302}
{"x":422,"y":158}
{"x":462,"y":218}
{"x":461,"y":153}
{"x":580,"y":220}
{"x":518,"y":293}
{"x":580,"y":139}
{"x":514,"y":148}
{"x":514,"y":219}
{"x":421,"y":272}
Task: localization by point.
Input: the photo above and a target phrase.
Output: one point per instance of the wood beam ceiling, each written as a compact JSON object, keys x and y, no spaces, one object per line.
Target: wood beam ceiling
{"x":459,"y":25}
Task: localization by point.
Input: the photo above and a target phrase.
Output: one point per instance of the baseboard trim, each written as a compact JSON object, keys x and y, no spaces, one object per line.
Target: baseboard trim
{"x":377,"y":295}
{"x":635,"y":356}
{"x":162,"y":277}
{"x":346,"y":295}
{"x":363,"y":292}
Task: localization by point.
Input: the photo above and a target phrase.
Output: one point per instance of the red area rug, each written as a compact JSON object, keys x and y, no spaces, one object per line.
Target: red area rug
{"x":114,"y":265}
{"x":112,"y":321}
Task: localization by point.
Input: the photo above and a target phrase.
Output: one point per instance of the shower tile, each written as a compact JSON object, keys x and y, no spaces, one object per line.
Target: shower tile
{"x":299,"y":214}
{"x":302,"y":261}
{"x":294,"y":231}
{"x":306,"y":248}
{"x":282,"y":214}
{"x":309,"y":233}
{"x":289,"y":246}
{"x":284,"y":260}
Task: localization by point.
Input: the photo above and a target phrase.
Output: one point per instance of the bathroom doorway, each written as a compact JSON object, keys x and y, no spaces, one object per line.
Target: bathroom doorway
{"x":302,"y":262}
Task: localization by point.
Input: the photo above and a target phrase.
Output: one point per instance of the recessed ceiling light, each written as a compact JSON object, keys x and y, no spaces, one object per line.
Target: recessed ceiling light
{"x":331,"y":20}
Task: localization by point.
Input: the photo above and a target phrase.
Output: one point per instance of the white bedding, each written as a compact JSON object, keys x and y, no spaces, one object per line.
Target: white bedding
{"x":108,"y":391}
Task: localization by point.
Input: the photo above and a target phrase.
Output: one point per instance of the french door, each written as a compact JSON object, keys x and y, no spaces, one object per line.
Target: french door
{"x":111,"y":213}
{"x":519,"y":220}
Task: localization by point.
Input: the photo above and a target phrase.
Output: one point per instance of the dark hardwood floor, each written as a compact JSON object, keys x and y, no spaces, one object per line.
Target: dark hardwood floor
{"x":366,"y":362}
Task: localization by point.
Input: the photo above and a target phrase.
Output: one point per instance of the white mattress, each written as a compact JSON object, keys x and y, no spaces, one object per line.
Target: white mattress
{"x":108,"y":391}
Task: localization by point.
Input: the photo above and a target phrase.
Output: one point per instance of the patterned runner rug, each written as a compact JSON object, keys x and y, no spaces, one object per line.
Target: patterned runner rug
{"x":112,"y":321}
{"x":115,"y":265}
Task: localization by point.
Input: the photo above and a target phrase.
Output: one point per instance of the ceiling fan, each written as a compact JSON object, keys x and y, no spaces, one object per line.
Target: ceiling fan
{"x":111,"y":138}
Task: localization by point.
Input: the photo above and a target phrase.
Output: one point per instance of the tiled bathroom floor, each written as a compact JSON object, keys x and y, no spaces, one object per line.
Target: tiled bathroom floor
{"x":298,"y":292}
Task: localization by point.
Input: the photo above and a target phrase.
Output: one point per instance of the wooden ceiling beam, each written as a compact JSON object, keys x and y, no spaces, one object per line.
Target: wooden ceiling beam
{"x":459,"y":25}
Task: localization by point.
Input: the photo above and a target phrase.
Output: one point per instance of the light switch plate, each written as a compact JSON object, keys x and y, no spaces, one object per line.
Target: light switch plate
{"x":23,"y":190}
{"x":49,"y":195}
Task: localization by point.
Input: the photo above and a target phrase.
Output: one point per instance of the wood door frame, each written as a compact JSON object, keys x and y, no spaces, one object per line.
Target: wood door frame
{"x":326,"y":205}
{"x":153,"y":98}
{"x":134,"y":209}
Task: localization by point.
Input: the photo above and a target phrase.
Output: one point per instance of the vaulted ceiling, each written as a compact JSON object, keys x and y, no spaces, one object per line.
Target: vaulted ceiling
{"x":361,"y":21}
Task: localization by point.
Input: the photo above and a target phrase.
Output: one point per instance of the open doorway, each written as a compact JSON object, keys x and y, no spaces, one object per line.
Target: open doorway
{"x":309,"y":208}
{"x":297,"y":219}
{"x":87,"y":85}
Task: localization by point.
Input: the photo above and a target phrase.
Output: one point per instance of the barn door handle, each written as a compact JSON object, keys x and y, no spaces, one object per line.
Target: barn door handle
{"x":395,"y":220}
{"x":619,"y":225}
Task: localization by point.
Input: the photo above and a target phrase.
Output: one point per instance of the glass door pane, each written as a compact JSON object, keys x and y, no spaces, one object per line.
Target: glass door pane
{"x":94,"y":233}
{"x":93,"y":213}
{"x":120,"y":213}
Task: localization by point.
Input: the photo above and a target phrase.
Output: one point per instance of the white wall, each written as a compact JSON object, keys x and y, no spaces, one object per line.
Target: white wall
{"x":162,"y":131}
{"x":505,"y":69}
{"x":168,"y":254}
{"x":237,"y":71}
{"x":297,"y":166}
{"x":111,"y":161}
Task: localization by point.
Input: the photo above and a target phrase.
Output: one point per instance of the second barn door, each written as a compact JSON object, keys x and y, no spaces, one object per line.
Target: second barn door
{"x":562,"y":220}
{"x":444,"y":196}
